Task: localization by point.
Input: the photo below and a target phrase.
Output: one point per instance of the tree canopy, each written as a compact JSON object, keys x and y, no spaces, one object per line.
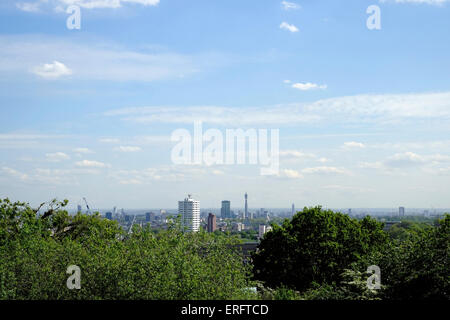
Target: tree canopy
{"x":316,"y":246}
{"x":35,"y":251}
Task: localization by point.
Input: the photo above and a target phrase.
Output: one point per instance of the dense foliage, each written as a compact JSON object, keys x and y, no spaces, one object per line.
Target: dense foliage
{"x":418,"y":266}
{"x":35,"y":252}
{"x":325,"y":255}
{"x":316,"y":246}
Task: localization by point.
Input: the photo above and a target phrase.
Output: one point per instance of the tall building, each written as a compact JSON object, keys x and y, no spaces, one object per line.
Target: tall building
{"x":79,"y":208}
{"x":189,"y":209}
{"x":225,"y":211}
{"x":108,"y":215}
{"x":246,"y":206}
{"x":163,"y":215}
{"x":237,"y":226}
{"x":262,"y":230}
{"x":149,"y":216}
{"x":293,"y":209}
{"x":401,"y":211}
{"x":212,"y":226}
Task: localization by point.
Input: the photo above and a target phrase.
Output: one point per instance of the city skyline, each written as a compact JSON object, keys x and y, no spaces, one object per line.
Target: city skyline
{"x":363,"y":115}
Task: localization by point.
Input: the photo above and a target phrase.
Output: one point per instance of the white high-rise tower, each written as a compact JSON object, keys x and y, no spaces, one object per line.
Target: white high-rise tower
{"x":189,"y":209}
{"x":246,"y":207}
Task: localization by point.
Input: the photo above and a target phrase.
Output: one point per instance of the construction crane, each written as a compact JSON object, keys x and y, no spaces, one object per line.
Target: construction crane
{"x":87,"y":206}
{"x":130,"y":231}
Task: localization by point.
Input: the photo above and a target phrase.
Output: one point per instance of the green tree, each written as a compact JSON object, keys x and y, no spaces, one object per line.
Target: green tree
{"x":314,"y":247}
{"x":36,"y":249}
{"x":418,"y":267}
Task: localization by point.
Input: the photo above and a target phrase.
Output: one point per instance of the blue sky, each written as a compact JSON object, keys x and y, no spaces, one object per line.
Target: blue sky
{"x":363,"y":114}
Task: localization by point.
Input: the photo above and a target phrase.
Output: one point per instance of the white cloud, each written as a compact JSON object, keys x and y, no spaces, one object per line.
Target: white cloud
{"x":371,"y":165}
{"x":14,"y":173}
{"x":131,"y":182}
{"x":380,"y":109}
{"x":83,"y":150}
{"x":49,"y":177}
{"x":289,"y":174}
{"x":287,"y":81}
{"x":57,"y":156}
{"x":349,"y":190}
{"x":210,"y":114}
{"x":296,"y":154}
{"x":289,"y":27}
{"x":109,"y":140}
{"x":149,"y":175}
{"x":290,"y":5}
{"x":128,"y":149}
{"x":28,"y":6}
{"x":28,"y":136}
{"x":52,"y":70}
{"x":27,"y":140}
{"x":99,"y":4}
{"x":409,"y":160}
{"x":431,"y":2}
{"x":61,"y":5}
{"x":324,"y":170}
{"x":97,"y":60}
{"x":404,"y":159}
{"x":308,"y":86}
{"x":91,"y":164}
{"x":353,"y":144}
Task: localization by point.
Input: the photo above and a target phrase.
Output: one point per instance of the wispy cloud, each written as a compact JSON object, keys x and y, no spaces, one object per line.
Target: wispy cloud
{"x":46,"y":176}
{"x":28,"y":140}
{"x":29,"y":6}
{"x":91,"y":164}
{"x":83,"y":150}
{"x":290,"y":5}
{"x":353,"y":145}
{"x":296,"y":154}
{"x":430,"y":2}
{"x":109,"y":140}
{"x":128,"y":149}
{"x":290,"y":174}
{"x":57,"y":156}
{"x":308,"y":86}
{"x":94,"y":60}
{"x":94,"y":4}
{"x":324,"y":170}
{"x":349,"y":109}
{"x":167,"y":173}
{"x":433,"y":163}
{"x":14,"y":173}
{"x":61,"y":5}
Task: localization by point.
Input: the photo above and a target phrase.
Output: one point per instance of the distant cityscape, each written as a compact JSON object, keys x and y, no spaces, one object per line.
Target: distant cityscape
{"x":239,"y":219}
